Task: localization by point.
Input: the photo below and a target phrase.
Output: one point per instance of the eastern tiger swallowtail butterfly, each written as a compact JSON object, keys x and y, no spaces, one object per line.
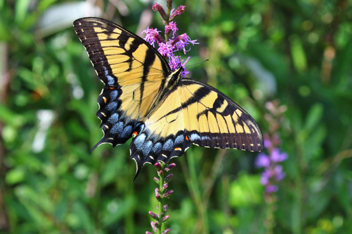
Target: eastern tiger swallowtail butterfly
{"x":163,"y":112}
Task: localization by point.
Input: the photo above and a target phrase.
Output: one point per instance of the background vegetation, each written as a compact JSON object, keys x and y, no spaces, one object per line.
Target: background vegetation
{"x":297,"y":52}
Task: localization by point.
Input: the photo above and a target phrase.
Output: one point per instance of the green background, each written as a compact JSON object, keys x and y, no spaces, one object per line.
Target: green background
{"x":297,"y":52}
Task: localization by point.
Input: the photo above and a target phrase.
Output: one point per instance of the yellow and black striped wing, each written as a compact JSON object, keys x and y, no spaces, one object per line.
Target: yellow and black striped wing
{"x":197,"y":113}
{"x":133,"y":73}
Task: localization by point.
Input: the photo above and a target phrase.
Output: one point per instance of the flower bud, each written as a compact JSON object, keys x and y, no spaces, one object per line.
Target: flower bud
{"x":179,"y":11}
{"x":164,"y":187}
{"x":170,"y":166}
{"x":154,"y":225}
{"x":156,"y":180}
{"x":168,"y":178}
{"x":160,"y":172}
{"x":168,"y":3}
{"x":165,"y":218}
{"x":159,"y":8}
{"x":153,"y":215}
{"x":166,"y":231}
{"x":165,"y":208}
{"x":158,"y":166}
{"x":157,"y":194}
{"x":168,"y":193}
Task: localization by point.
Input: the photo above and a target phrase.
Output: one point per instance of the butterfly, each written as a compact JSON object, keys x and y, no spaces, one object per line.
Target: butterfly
{"x":163,"y":112}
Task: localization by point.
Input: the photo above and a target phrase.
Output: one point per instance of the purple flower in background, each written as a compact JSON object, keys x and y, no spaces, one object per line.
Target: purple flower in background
{"x":262,"y":160}
{"x":273,"y":171}
{"x":276,"y":156}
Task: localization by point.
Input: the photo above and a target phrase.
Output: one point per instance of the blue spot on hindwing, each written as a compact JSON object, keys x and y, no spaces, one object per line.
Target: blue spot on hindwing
{"x":157,"y":147}
{"x":168,"y":145}
{"x":113,"y":94}
{"x":127,"y":131}
{"x":114,"y":118}
{"x":111,"y":80}
{"x":146,"y":147}
{"x":139,"y":140}
{"x":180,"y":139}
{"x":205,"y":138}
{"x":117,"y":128}
{"x":194,"y":137}
{"x":111,"y":106}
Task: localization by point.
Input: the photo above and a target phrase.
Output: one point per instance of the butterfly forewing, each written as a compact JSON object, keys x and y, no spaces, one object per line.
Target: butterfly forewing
{"x":131,"y":70}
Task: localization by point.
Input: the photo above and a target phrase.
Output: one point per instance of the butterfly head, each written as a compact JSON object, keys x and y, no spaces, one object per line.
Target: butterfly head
{"x":174,"y":78}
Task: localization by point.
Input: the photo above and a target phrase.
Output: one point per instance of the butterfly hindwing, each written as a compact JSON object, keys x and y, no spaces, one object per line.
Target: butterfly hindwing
{"x":132,"y":71}
{"x":216,"y":121}
{"x":194,"y":112}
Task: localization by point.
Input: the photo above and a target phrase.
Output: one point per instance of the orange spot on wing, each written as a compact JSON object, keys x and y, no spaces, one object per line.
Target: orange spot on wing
{"x":178,"y":149}
{"x":111,"y":87}
{"x":104,"y":98}
{"x":187,"y":138}
{"x":134,"y":134}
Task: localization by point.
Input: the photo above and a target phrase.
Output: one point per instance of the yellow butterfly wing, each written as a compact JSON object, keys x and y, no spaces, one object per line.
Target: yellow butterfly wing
{"x":194,"y":112}
{"x":133,"y":73}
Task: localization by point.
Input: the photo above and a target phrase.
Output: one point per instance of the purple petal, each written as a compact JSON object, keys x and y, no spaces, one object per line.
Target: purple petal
{"x":267,"y":143}
{"x":271,"y":188}
{"x":280,"y":176}
{"x":264,"y":180}
{"x":262,"y":160}
{"x":276,"y":156}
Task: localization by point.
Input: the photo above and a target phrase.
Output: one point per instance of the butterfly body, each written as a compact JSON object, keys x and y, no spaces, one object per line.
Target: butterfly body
{"x":163,"y":112}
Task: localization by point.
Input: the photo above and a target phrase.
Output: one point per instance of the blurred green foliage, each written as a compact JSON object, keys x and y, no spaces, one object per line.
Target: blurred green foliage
{"x":298,"y":52}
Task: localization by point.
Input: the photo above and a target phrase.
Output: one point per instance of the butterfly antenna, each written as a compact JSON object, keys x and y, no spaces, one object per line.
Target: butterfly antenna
{"x":194,"y":64}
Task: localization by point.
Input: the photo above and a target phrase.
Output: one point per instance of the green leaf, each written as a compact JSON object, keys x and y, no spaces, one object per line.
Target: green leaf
{"x":314,"y":117}
{"x":298,"y":55}
{"x":246,"y":190}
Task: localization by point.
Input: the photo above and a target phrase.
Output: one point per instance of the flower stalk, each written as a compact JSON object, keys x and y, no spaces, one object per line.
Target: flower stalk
{"x":167,"y":47}
{"x":161,"y":194}
{"x":271,"y":162}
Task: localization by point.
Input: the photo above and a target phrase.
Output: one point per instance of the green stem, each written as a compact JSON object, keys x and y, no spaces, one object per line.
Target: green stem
{"x":161,"y":203}
{"x":167,"y":22}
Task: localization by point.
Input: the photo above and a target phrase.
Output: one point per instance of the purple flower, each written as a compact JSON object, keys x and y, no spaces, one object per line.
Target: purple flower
{"x":152,"y":36}
{"x":271,"y":188}
{"x":182,"y":41}
{"x":273,"y":172}
{"x":267,"y":143}
{"x":276,"y":156}
{"x":279,"y":174}
{"x":171,"y":27}
{"x":166,"y":49}
{"x":262,"y":160}
{"x":264,"y":180}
